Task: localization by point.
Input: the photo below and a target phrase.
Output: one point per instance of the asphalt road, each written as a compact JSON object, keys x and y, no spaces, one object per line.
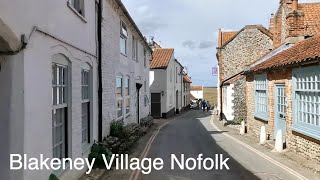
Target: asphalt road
{"x":192,"y":134}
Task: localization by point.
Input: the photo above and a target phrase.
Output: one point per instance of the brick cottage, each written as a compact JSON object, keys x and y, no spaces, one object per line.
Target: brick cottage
{"x":283,"y":87}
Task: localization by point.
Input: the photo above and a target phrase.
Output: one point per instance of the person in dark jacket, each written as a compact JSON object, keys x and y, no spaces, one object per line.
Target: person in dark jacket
{"x":204,"y":105}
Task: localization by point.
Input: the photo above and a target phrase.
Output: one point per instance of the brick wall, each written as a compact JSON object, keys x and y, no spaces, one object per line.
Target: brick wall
{"x":301,"y":144}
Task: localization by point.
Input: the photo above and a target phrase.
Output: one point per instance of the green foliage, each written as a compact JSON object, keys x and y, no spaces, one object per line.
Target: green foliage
{"x":53,"y":177}
{"x":97,"y":150}
{"x":237,"y":121}
{"x":116,"y":128}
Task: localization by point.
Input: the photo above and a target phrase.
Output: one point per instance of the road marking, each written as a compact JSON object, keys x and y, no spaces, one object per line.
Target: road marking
{"x":289,"y":170}
{"x":135,"y":174}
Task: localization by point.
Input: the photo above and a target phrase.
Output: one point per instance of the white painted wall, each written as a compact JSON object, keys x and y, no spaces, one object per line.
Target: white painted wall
{"x":178,"y":84}
{"x":114,"y":63}
{"x":26,"y":80}
{"x":55,"y":17}
{"x":197,"y":94}
{"x":228,"y":106}
{"x":164,"y":81}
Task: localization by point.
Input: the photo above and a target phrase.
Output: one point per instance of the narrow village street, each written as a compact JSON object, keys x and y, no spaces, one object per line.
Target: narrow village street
{"x":193,"y":133}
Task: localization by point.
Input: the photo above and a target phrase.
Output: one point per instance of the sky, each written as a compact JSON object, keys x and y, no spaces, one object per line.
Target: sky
{"x":191,"y":27}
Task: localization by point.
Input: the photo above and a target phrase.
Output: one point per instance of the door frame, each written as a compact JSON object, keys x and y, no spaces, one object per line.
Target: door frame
{"x":276,"y":113}
{"x":160,"y":106}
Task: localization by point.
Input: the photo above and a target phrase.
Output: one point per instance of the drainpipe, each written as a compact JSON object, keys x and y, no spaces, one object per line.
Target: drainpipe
{"x":100,"y":90}
{"x":138,"y":86}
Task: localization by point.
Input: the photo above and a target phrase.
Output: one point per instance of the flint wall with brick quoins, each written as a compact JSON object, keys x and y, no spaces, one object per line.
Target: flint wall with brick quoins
{"x":306,"y":146}
{"x":248,"y":46}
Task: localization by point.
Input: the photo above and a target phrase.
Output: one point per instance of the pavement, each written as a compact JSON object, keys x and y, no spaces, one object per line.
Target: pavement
{"x":197,"y":132}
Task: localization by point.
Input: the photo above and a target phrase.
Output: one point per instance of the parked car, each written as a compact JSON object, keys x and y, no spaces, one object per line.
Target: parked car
{"x":193,"y":105}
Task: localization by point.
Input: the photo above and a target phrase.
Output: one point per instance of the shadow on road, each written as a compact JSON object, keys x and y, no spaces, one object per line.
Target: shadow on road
{"x":187,"y":135}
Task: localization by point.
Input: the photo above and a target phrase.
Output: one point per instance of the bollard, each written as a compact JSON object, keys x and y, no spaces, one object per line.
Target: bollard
{"x":242,"y":128}
{"x":279,"y":141}
{"x":263,"y":135}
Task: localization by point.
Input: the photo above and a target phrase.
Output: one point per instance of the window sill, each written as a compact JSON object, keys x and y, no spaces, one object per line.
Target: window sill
{"x":261,"y":118}
{"x":306,"y":131}
{"x":119,"y":118}
{"x":76,"y":12}
{"x":123,"y":55}
{"x":128,"y":115}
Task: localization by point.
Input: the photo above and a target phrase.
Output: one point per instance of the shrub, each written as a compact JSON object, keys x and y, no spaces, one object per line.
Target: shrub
{"x":97,"y":150}
{"x":53,"y":177}
{"x":237,"y":121}
{"x":117,"y":129}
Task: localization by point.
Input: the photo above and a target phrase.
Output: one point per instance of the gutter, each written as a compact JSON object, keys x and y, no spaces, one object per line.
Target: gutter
{"x":100,"y":89}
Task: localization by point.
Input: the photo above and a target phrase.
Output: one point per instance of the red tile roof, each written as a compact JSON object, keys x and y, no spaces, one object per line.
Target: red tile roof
{"x":306,"y":50}
{"x":161,"y":58}
{"x":186,"y":79}
{"x":196,"y":88}
{"x":226,"y":36}
{"x":311,"y":17}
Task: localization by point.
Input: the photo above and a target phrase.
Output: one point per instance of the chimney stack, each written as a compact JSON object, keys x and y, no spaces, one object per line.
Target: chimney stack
{"x":295,"y":5}
{"x":219,"y":38}
{"x":272,"y":24}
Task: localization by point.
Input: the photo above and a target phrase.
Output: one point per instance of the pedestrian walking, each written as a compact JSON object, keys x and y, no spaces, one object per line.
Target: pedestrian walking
{"x":204,"y":105}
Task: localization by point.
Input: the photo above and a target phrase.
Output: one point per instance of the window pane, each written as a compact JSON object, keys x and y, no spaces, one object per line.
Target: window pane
{"x":119,"y":108}
{"x":58,"y":135}
{"x":127,"y":105}
{"x":85,"y":122}
{"x":127,"y":87}
{"x":119,"y":86}
{"x":123,"y":44}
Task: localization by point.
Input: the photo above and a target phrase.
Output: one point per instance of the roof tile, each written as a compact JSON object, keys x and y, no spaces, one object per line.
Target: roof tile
{"x":303,"y":51}
{"x":161,"y":58}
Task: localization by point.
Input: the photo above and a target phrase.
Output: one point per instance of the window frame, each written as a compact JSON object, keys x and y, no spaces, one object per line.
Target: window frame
{"x":123,"y":38}
{"x":127,"y":96}
{"x":225,"y":95}
{"x":134,"y":48}
{"x":259,"y":114}
{"x":64,"y":106}
{"x":302,"y":126}
{"x":119,"y":98}
{"x":88,"y":102}
{"x":80,"y":11}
